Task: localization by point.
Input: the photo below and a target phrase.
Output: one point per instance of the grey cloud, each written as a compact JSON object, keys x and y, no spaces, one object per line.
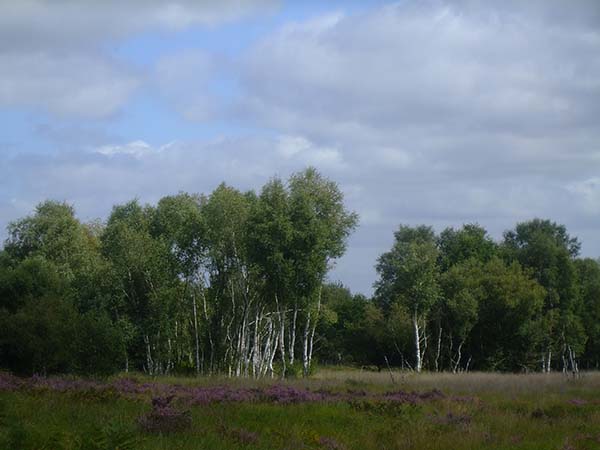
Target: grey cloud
{"x":424,"y":112}
{"x":55,"y":54}
{"x":439,"y":67}
{"x":94,"y":180}
{"x":444,"y":112}
{"x":35,"y":24}
{"x":66,"y":85}
{"x":114,"y":173}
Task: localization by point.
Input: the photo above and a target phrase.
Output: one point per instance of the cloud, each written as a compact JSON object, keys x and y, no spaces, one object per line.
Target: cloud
{"x":66,"y":85}
{"x":63,"y":24}
{"x":187,"y":81}
{"x":303,"y":151}
{"x":426,"y":67}
{"x":96,"y":179}
{"x":56,"y":55}
{"x":443,"y":112}
{"x":430,"y":112}
{"x":587,"y":194}
{"x":138,"y":149}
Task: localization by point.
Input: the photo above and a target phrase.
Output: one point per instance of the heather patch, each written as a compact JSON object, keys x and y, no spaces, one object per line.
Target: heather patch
{"x":203,"y":395}
{"x":165,"y":417}
{"x":219,"y":413}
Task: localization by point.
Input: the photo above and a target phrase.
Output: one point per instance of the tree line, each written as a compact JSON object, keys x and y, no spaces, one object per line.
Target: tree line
{"x":235,"y":282}
{"x":227,"y":283}
{"x":460,"y":301}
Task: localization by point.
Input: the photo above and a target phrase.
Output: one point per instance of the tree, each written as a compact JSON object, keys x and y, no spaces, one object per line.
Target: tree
{"x":145,"y":274}
{"x":41,"y":330}
{"x":588,"y":274}
{"x":546,"y":249}
{"x":507,"y":332}
{"x":228,"y":277}
{"x":469,"y":242}
{"x":270,"y":232}
{"x":52,"y":232}
{"x":344,"y":331}
{"x":321,"y":226}
{"x":178,"y":221}
{"x":459,"y":310}
{"x":408,"y":274}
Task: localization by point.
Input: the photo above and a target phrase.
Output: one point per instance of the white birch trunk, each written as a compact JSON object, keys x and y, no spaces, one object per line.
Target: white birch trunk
{"x":315,"y":321}
{"x":149,"y":362}
{"x":456,"y":365}
{"x":292,"y":343}
{"x":305,"y":344}
{"x":418,"y":363}
{"x":196,"y":338}
{"x":281,"y":315}
{"x":439,"y":349}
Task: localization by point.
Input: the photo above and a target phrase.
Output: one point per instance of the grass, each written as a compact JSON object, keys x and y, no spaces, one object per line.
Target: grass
{"x":477,"y":411}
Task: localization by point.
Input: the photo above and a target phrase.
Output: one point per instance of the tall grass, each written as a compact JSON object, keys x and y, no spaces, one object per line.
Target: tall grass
{"x":476,"y":411}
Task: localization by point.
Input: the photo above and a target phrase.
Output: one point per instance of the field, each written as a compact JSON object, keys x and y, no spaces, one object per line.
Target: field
{"x":335,"y":409}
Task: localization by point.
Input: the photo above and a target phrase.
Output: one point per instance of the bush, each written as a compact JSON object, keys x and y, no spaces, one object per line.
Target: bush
{"x":47,"y":335}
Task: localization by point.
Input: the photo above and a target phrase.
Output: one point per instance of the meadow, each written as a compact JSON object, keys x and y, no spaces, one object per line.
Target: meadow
{"x":335,"y":409}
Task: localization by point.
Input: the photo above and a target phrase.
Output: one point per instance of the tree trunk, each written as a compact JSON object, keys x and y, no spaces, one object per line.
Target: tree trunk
{"x":305,"y":344}
{"x":149,"y":362}
{"x":292,"y":343}
{"x":456,"y":364}
{"x":418,"y":363}
{"x":439,"y":349}
{"x":315,"y":322}
{"x":281,"y":336}
{"x":197,"y":340}
{"x":210,"y":339}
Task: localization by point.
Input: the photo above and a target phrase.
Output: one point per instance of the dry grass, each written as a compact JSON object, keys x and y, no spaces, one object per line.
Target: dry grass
{"x":467,"y":383}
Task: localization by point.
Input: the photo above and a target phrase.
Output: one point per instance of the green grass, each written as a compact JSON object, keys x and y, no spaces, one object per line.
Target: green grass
{"x":501,"y":412}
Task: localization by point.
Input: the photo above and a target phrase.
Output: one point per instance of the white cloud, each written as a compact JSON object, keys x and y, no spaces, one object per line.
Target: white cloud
{"x":290,"y":146}
{"x":302,"y":150}
{"x":137,"y":149}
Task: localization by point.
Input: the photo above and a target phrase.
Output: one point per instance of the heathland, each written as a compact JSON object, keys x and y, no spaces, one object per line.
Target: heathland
{"x":334,"y":409}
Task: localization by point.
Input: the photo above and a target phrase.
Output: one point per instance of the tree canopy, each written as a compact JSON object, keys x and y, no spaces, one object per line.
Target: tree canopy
{"x":237,"y":282}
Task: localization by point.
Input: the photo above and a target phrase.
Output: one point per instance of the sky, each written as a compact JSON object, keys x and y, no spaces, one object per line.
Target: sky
{"x":424,"y":112}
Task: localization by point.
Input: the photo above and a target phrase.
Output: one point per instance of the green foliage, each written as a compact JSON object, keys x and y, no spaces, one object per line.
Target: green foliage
{"x":236,"y":282}
{"x":470,"y":242}
{"x":548,"y":251}
{"x":347,"y":328}
{"x":509,"y":305}
{"x":588,"y":273}
{"x":408,"y":273}
{"x":48,"y":335}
